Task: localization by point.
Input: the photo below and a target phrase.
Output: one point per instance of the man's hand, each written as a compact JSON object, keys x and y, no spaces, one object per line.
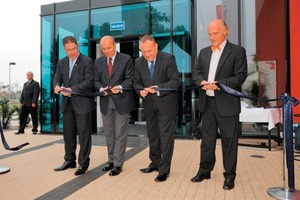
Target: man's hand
{"x":65,"y":92}
{"x":115,"y":90}
{"x":152,"y":89}
{"x":209,"y":85}
{"x":57,"y":89}
{"x":104,"y":90}
{"x":143,"y":93}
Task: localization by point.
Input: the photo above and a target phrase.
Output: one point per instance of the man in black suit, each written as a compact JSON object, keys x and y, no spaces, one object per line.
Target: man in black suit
{"x":29,"y":103}
{"x":153,"y":70}
{"x":75,"y":73}
{"x":225,"y":63}
{"x":113,"y":72}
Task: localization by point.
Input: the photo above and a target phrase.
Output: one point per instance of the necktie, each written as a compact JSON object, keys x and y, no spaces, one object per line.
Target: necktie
{"x":151,"y":69}
{"x":71,"y":67}
{"x":213,"y":48}
{"x":109,"y":67}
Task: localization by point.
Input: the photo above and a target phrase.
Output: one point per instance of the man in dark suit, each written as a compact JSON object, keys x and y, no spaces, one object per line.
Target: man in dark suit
{"x":29,"y":103}
{"x":153,"y":70}
{"x":114,"y":72}
{"x":75,"y":73}
{"x":225,"y":63}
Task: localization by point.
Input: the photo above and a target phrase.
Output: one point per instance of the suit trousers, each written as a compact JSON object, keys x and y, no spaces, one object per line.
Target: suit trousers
{"x":73,"y":125}
{"x":160,"y":132}
{"x":116,"y":131}
{"x":25,"y":110}
{"x":229,"y":128}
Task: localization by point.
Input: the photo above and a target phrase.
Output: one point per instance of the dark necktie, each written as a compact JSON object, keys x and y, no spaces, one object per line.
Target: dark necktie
{"x":109,"y":67}
{"x":151,"y":69}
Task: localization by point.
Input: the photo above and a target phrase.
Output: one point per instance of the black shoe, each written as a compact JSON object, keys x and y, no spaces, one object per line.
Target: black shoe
{"x":149,"y":169}
{"x":66,"y":165}
{"x":19,"y":132}
{"x":161,"y":177}
{"x":200,"y":177}
{"x":34,"y":132}
{"x":108,"y":166}
{"x":80,"y":170}
{"x":115,"y":171}
{"x":228,"y":184}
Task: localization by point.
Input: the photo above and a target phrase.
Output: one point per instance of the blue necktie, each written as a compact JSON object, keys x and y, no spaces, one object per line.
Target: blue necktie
{"x":71,"y":67}
{"x":151,"y":69}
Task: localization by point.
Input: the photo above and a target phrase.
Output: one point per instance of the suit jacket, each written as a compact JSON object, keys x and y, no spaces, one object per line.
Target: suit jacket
{"x":30,"y":93}
{"x":81,"y":81}
{"x":122,"y":74}
{"x":231,"y":71}
{"x":165,"y":75}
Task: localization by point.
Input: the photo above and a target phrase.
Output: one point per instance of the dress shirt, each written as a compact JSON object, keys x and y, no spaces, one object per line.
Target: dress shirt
{"x":214,"y":61}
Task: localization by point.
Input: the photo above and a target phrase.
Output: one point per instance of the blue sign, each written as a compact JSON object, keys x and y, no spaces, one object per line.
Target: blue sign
{"x":117,"y":26}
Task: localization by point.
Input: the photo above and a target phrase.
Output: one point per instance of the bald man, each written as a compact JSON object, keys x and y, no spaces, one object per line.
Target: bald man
{"x":113,"y":72}
{"x":29,"y":103}
{"x":225,"y":63}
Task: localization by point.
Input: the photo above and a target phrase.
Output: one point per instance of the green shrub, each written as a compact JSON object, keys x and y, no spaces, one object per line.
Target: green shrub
{"x":7,"y":111}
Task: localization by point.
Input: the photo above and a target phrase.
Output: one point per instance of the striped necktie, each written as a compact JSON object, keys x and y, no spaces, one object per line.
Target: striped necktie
{"x":151,"y":69}
{"x":109,"y":66}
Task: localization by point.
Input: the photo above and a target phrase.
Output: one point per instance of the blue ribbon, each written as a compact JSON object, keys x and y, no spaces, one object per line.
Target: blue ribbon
{"x":6,"y":146}
{"x":288,"y":127}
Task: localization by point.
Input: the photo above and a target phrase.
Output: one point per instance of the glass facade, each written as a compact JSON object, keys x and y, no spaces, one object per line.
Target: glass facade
{"x":46,"y":74}
{"x":180,"y":28}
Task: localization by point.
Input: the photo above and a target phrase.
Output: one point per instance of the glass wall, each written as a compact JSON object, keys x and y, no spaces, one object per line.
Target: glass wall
{"x":46,"y":108}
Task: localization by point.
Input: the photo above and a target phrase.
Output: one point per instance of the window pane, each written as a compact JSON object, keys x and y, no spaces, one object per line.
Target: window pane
{"x":47,"y":67}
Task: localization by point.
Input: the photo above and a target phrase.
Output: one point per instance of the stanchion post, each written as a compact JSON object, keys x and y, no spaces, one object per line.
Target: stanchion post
{"x":284,"y":193}
{"x":4,"y":170}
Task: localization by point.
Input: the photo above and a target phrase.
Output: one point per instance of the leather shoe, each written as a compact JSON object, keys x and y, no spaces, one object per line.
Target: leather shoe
{"x":200,"y":177}
{"x":108,"y":166}
{"x":66,"y":165}
{"x":228,"y":184}
{"x":19,"y":132}
{"x":115,"y":171}
{"x":161,"y":177}
{"x":80,"y":170}
{"x":148,"y":169}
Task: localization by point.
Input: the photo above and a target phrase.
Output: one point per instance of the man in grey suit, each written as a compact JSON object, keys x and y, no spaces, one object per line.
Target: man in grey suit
{"x":75,"y":73}
{"x":114,"y":72}
{"x":154,"y":70}
{"x":29,"y":103}
{"x":225,"y":63}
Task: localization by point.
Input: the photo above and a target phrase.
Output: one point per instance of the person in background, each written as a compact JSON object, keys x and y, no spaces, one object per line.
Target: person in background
{"x":113,"y":72}
{"x":29,"y":104}
{"x":225,"y":63}
{"x":156,"y":69}
{"x":75,"y":73}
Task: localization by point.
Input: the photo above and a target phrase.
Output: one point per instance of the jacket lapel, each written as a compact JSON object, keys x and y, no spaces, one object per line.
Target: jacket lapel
{"x":225,"y":53}
{"x":207,"y":62}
